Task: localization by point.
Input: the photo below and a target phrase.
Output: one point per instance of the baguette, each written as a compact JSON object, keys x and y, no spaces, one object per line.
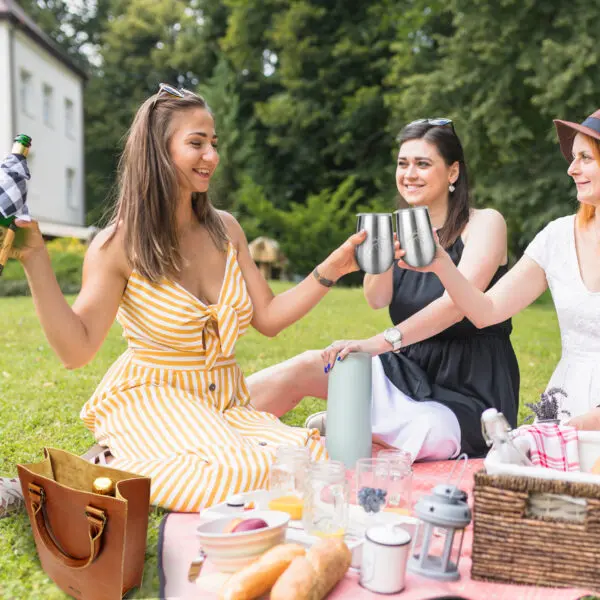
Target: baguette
{"x":313,"y":577}
{"x":258,"y":577}
{"x":297,"y":583}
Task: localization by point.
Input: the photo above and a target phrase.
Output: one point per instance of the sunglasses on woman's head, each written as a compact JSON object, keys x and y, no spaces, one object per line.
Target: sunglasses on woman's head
{"x":437,"y":122}
{"x":165,"y":88}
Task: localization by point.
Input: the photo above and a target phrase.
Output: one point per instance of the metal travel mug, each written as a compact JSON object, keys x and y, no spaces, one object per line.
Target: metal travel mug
{"x":415,"y":235}
{"x":376,"y":254}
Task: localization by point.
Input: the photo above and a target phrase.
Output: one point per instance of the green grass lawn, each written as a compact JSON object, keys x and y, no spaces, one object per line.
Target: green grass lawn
{"x":40,"y":401}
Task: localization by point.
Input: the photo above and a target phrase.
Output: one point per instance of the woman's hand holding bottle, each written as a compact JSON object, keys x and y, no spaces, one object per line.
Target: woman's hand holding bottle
{"x":33,"y":243}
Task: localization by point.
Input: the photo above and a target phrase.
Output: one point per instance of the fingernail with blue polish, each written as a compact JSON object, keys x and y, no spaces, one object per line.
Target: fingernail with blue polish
{"x":339,"y":358}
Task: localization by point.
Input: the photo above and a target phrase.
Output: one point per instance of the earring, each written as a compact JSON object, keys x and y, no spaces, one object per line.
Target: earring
{"x":451,"y":188}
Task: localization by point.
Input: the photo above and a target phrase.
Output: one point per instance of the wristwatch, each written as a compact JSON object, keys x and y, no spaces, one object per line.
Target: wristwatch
{"x":394,"y":337}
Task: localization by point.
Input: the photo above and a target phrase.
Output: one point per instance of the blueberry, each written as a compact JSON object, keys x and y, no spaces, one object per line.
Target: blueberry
{"x":371,"y":499}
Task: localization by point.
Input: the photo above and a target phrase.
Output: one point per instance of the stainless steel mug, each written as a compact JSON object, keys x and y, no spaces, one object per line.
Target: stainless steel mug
{"x":415,"y":235}
{"x":376,"y":254}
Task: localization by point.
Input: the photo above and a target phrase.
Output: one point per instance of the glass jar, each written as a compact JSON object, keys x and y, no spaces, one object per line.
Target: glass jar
{"x":400,"y":479}
{"x":288,"y":472}
{"x":372,"y":489}
{"x":326,"y":498}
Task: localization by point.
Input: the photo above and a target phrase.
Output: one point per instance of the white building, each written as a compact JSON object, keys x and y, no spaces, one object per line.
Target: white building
{"x":41,"y":95}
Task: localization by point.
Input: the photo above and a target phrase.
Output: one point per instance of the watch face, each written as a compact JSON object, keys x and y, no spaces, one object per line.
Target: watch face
{"x":392,"y":335}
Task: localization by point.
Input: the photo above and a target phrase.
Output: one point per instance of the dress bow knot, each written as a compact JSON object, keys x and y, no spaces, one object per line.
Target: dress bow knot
{"x":220,"y":332}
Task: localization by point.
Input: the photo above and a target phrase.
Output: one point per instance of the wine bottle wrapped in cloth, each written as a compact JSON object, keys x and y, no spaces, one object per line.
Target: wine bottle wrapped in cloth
{"x":14,"y":174}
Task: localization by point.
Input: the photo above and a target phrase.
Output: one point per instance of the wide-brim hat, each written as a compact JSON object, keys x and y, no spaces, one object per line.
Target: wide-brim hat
{"x":567,"y":132}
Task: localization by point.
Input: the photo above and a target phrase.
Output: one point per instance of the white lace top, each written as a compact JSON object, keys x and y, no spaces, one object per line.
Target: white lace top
{"x":578,"y":310}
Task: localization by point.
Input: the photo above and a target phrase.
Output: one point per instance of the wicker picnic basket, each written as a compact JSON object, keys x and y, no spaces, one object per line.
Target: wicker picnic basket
{"x":536,"y":531}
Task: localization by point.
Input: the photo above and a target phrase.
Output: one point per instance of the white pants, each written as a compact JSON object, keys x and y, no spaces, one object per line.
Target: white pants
{"x":427,"y":429}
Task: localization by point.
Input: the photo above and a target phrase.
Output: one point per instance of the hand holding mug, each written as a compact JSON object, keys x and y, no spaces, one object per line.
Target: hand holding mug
{"x":432,"y":267}
{"x":342,"y":260}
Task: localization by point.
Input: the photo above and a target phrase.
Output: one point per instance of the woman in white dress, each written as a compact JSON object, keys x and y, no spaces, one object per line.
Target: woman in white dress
{"x":564,"y":256}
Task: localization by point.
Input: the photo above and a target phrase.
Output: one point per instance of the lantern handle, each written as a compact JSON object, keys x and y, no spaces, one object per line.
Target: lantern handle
{"x":462,"y":473}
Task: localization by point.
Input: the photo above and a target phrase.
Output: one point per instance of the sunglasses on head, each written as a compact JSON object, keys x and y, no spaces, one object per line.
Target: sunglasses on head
{"x":437,"y":122}
{"x":165,"y":88}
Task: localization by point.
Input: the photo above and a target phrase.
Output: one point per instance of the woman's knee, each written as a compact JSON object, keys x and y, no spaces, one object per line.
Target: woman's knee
{"x":441,"y":442}
{"x":310,"y":359}
{"x":427,"y":437}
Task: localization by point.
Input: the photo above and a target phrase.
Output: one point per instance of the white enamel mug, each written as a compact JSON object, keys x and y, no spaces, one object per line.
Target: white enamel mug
{"x":384,"y":557}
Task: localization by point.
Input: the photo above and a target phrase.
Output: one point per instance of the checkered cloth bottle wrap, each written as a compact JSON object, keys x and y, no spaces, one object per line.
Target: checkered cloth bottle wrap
{"x":14,"y":174}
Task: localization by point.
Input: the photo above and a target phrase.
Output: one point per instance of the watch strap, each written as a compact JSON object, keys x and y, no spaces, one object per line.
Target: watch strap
{"x":323,"y":280}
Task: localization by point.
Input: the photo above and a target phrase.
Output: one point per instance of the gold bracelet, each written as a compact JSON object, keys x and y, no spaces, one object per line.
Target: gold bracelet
{"x":322,"y":280}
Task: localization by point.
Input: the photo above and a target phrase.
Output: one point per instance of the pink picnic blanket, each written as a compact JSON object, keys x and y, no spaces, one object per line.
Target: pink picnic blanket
{"x":178,"y":546}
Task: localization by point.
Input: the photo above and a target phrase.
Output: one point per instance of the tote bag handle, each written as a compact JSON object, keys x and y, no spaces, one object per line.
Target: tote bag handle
{"x":96,"y":521}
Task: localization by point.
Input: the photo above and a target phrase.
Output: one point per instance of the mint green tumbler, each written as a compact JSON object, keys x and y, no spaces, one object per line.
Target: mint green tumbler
{"x":349,"y":392}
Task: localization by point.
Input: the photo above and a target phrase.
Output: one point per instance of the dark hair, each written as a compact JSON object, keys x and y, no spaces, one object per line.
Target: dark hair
{"x":444,"y":138}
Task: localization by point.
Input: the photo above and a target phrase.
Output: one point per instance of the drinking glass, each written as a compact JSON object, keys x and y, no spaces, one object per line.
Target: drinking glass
{"x":400,"y":484}
{"x":415,"y":235}
{"x":376,"y":254}
{"x":326,"y":499}
{"x":288,"y":472}
{"x":372,"y":478}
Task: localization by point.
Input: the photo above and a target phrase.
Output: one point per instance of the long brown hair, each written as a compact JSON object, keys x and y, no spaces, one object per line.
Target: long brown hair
{"x":148,"y":191}
{"x":587,"y":212}
{"x":444,"y":138}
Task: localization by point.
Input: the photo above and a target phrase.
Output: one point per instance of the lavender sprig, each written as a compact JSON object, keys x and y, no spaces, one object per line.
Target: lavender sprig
{"x":548,"y":406}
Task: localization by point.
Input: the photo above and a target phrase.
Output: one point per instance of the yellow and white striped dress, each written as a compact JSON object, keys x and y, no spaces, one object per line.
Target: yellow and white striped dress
{"x":175,"y":405}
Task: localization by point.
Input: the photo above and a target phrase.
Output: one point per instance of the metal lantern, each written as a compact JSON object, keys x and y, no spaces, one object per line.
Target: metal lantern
{"x":437,"y":542}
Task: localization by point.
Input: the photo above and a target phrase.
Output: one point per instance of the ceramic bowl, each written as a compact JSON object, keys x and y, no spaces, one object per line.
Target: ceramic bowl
{"x":229,"y":552}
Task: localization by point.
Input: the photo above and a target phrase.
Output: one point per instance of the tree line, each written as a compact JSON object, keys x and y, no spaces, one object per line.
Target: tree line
{"x":309,"y":95}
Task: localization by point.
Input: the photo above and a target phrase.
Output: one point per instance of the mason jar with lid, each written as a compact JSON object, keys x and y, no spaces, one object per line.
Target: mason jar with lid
{"x":326,"y":498}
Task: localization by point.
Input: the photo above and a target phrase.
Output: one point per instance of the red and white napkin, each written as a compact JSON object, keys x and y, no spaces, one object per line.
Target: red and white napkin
{"x":550,"y":445}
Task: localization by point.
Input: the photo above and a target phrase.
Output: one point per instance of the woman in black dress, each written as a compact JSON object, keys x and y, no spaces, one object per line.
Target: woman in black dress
{"x":434,"y":372}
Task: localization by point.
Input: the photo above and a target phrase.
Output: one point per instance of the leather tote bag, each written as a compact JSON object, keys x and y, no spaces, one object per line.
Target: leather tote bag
{"x":92,"y":546}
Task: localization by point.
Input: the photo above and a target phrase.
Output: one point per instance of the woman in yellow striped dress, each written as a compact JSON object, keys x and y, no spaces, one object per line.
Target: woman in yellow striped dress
{"x":179,"y":277}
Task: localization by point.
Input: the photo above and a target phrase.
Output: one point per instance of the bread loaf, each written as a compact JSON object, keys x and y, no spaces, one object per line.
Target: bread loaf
{"x":258,"y":577}
{"x":314,"y":576}
{"x":596,"y":467}
{"x":298,"y":581}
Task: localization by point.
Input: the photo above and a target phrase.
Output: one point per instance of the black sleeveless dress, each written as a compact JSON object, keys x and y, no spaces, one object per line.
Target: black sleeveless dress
{"x":464,"y":368}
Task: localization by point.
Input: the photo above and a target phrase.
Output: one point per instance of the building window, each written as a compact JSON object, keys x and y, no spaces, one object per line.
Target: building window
{"x":26,"y":92}
{"x":72,"y":200}
{"x":69,"y":118}
{"x":48,"y":95}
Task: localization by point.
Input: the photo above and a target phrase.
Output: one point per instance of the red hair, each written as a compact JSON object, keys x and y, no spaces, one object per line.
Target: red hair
{"x":587,"y":212}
